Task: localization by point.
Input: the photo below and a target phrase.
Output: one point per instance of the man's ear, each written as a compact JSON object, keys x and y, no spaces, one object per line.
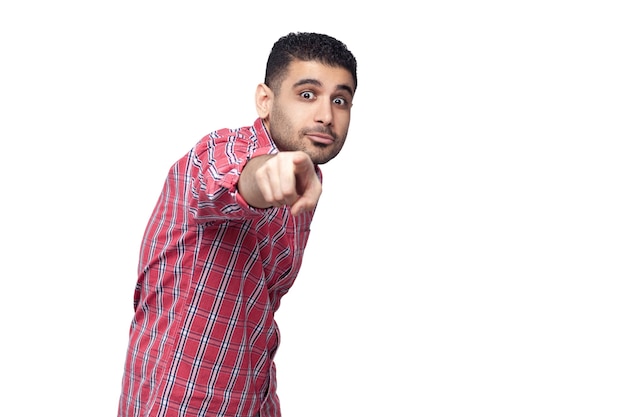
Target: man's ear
{"x":263,"y":99}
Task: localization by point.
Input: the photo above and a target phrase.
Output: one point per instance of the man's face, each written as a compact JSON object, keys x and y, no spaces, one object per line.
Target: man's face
{"x":311,"y":112}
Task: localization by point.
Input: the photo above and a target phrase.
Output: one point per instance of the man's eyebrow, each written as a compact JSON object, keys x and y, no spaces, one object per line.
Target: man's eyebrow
{"x":308,"y":81}
{"x":343,"y":87}
{"x":347,"y":88}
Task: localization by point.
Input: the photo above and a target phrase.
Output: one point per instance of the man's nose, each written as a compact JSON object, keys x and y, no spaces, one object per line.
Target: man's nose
{"x":324,"y":112}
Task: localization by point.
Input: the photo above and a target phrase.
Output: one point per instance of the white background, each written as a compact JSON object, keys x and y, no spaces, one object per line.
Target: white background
{"x":468,"y":254}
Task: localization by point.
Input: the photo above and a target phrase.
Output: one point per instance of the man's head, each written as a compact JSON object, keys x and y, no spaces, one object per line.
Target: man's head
{"x":307,"y":96}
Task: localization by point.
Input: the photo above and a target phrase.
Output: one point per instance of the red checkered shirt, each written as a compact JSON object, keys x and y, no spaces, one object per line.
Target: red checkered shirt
{"x":212,"y":272}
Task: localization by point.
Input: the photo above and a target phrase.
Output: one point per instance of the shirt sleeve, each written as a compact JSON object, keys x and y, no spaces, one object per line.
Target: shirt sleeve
{"x":215,"y":166}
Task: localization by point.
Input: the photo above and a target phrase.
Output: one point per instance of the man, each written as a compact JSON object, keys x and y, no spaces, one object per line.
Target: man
{"x":226,"y":238}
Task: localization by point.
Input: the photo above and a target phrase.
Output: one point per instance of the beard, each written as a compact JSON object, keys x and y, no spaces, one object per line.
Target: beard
{"x":288,"y":139}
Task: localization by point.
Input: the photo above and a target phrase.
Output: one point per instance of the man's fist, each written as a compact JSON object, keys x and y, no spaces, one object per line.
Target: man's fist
{"x":285,"y":178}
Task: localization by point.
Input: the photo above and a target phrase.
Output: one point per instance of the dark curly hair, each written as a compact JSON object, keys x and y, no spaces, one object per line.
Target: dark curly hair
{"x":306,"y":46}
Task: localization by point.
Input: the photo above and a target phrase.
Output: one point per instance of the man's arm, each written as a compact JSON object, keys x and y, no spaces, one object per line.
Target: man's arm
{"x":285,"y":178}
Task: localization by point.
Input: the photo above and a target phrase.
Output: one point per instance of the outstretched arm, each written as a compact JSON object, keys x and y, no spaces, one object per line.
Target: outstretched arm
{"x":285,"y":178}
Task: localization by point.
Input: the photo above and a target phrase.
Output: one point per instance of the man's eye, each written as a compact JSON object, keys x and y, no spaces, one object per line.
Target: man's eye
{"x":340,"y":101}
{"x":307,"y":95}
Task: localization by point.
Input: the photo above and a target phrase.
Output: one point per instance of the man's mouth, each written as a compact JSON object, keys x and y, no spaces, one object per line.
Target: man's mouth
{"x":321,"y":138}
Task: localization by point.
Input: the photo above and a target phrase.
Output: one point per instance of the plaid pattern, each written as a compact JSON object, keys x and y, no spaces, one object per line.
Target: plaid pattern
{"x":212,"y":272}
